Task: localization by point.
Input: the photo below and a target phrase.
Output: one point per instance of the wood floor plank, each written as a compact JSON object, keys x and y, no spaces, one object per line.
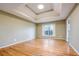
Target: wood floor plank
{"x":39,"y":47}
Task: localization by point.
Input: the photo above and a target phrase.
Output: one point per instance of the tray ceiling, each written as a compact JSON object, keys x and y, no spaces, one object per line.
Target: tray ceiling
{"x":29,"y":11}
{"x":34,"y":7}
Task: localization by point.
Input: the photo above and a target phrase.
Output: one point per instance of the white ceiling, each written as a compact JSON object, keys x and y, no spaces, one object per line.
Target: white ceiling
{"x":34,"y":7}
{"x":28,"y":11}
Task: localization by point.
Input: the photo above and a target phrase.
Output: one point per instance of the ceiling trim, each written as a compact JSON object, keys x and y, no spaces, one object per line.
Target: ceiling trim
{"x":74,"y":7}
{"x":39,"y":12}
{"x":15,"y":16}
{"x":45,"y":11}
{"x":31,"y":9}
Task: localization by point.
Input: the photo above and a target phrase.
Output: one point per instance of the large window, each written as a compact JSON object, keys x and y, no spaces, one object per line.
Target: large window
{"x":48,"y":30}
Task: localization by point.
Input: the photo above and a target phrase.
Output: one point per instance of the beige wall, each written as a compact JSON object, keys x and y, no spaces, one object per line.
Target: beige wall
{"x":14,"y":29}
{"x":74,"y":29}
{"x":39,"y":30}
{"x":60,"y":28}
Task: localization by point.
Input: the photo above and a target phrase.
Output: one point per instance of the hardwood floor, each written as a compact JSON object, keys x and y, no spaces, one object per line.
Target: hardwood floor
{"x":39,"y":47}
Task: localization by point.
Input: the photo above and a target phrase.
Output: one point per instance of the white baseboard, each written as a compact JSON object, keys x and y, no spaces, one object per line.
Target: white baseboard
{"x":73,"y":48}
{"x":60,"y":38}
{"x":15,"y":43}
{"x":51,"y":38}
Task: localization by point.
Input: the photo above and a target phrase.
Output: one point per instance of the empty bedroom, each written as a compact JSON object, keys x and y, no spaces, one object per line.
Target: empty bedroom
{"x":39,"y":29}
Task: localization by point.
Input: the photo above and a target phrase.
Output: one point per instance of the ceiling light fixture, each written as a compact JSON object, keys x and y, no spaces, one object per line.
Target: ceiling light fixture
{"x":40,"y":6}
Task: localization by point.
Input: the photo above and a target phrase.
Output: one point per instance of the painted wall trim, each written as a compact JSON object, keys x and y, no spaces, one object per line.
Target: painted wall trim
{"x":15,"y":43}
{"x":50,"y":38}
{"x":73,"y":48}
{"x":60,"y":38}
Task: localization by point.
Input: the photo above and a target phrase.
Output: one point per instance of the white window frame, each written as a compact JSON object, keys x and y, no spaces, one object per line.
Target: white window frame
{"x":43,"y":34}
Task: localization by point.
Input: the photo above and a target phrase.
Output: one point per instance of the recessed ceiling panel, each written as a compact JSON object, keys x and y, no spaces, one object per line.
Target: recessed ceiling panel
{"x":35,"y":9}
